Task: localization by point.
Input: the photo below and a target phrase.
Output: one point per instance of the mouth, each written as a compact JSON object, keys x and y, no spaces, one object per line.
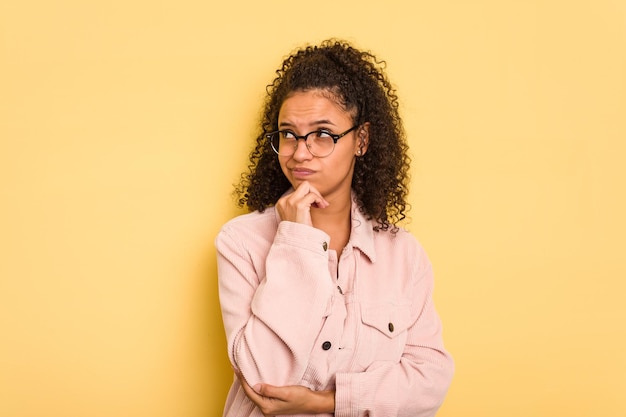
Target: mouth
{"x":301,"y":173}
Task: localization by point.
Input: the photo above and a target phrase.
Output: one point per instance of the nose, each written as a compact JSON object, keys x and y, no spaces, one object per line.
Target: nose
{"x":302,"y":152}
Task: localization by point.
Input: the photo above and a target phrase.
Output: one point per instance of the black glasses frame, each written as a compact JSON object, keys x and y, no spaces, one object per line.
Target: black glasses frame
{"x":334,"y":137}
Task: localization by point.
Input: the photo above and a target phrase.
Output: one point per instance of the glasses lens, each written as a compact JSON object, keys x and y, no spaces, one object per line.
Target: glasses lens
{"x":283,"y":143}
{"x":320,"y":144}
{"x":274,"y":141}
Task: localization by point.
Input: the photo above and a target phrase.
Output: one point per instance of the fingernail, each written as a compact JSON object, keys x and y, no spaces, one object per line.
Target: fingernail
{"x":257,"y":388}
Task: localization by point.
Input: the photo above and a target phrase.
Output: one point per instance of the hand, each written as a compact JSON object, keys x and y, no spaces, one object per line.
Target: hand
{"x":292,"y":399}
{"x":296,"y":206}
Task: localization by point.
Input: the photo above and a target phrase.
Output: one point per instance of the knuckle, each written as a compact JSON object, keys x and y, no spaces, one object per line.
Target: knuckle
{"x":302,"y":205}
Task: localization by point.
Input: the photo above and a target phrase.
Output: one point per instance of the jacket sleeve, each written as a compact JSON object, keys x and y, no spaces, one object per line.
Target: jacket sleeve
{"x":273,"y":316}
{"x":415,"y":385}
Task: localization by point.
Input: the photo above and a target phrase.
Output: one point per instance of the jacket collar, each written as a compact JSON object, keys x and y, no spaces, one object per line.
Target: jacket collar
{"x":362,"y":234}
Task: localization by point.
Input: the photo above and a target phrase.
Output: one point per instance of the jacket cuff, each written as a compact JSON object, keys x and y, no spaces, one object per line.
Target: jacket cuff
{"x":302,"y":236}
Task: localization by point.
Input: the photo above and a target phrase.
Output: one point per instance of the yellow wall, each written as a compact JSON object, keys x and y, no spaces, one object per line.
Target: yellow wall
{"x":124,"y":123}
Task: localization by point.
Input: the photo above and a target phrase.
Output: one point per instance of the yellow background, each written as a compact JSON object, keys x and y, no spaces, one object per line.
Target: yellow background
{"x":124,"y":124}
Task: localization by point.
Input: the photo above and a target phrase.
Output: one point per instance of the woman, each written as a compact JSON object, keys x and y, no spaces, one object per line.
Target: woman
{"x":327,"y":303}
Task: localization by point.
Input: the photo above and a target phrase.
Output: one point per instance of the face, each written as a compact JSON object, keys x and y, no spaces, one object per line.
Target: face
{"x":306,"y":111}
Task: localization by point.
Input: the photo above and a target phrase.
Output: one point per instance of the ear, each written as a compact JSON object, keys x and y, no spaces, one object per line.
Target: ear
{"x":363,"y":139}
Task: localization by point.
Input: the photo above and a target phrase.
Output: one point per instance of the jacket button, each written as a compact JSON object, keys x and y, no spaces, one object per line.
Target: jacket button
{"x":390,"y":327}
{"x":326,"y":345}
{"x":325,"y":246}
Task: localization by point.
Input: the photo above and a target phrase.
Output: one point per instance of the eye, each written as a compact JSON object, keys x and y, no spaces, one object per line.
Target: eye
{"x":323,"y":134}
{"x":287,"y":134}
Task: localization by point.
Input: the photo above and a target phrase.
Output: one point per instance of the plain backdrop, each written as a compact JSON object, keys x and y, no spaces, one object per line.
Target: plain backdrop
{"x":124,"y":124}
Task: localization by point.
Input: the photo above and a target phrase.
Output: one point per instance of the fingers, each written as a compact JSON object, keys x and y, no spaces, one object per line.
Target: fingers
{"x":269,"y":391}
{"x":294,"y":399}
{"x":250,"y":392}
{"x":296,"y":206}
{"x":309,"y":194}
{"x":259,"y":397}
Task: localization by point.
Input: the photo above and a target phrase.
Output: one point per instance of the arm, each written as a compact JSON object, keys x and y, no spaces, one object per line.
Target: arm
{"x":273,"y":316}
{"x":294,"y":399}
{"x":413,"y":385}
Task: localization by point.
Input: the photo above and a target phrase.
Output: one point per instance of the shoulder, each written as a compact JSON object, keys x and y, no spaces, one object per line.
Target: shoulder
{"x":252,"y":227}
{"x":253,"y":220}
{"x":402,"y":239}
{"x":401,"y":245}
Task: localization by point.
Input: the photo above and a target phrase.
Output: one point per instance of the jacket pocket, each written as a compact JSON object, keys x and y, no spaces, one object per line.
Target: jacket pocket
{"x":383,"y":332}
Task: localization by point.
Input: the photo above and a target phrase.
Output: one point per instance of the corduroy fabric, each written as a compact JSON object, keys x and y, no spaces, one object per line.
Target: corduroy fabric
{"x":363,"y":324}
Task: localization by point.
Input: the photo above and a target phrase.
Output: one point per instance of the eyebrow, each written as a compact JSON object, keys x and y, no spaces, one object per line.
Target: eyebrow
{"x":316,"y":123}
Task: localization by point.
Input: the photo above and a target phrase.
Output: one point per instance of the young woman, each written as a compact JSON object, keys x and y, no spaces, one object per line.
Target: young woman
{"x":327,"y":303}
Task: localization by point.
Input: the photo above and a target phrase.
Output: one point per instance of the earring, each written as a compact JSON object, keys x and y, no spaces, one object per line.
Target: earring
{"x":358,"y":153}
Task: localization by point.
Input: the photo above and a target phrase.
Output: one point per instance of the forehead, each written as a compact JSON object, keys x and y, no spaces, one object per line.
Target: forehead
{"x":312,"y":103}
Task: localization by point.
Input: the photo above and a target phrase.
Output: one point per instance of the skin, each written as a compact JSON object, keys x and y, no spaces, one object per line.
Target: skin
{"x":321,"y":199}
{"x":322,"y":186}
{"x":294,"y":399}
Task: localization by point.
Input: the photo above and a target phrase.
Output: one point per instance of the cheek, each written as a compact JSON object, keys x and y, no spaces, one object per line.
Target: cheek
{"x":345,"y":157}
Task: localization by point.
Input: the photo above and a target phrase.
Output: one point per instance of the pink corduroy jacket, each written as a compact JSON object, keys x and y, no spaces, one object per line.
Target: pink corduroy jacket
{"x":363,"y":325}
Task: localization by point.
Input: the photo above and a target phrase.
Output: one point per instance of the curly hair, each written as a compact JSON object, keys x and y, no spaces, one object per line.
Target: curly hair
{"x":358,"y":82}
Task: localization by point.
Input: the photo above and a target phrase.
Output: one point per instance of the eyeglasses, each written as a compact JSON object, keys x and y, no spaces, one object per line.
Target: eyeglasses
{"x":320,"y":143}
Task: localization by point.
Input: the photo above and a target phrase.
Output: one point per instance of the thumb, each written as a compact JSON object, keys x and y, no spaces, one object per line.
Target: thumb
{"x":267,"y":390}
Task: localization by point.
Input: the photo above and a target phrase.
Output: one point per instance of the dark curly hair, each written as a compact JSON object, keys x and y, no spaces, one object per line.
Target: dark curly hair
{"x":358,"y":82}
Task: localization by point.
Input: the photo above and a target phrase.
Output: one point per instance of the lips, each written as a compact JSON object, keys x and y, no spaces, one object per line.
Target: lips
{"x":301,"y":172}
